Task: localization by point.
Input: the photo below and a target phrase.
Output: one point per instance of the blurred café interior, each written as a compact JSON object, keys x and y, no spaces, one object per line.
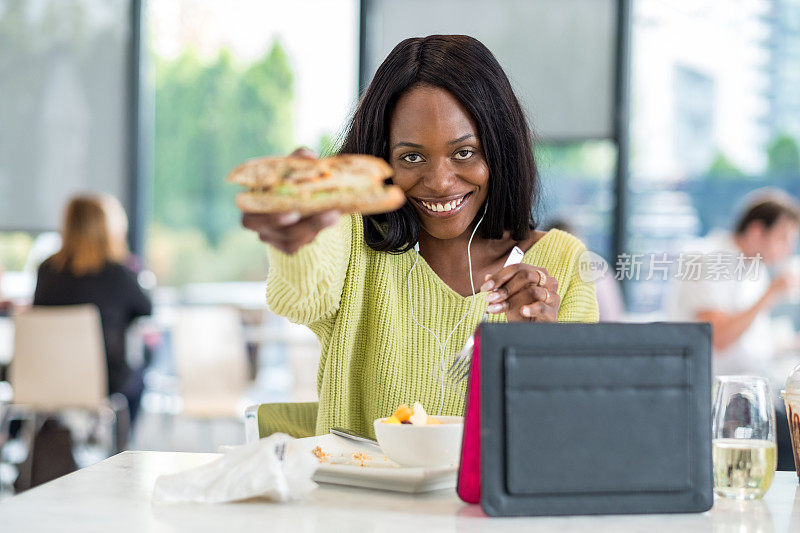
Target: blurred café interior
{"x":654,"y":132}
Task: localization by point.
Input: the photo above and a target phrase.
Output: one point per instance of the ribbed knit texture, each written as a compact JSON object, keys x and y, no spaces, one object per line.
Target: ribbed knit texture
{"x":374,"y":356}
{"x":296,"y":419}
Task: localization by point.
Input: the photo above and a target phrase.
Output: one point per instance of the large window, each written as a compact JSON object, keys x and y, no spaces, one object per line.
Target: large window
{"x":539,"y":43}
{"x":65,"y":121}
{"x":577,"y":190}
{"x":232,"y":81}
{"x":715,"y":114}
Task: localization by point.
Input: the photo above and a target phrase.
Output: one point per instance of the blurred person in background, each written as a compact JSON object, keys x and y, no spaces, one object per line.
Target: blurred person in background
{"x":90,"y":269}
{"x":117,"y":221}
{"x":738,"y":306}
{"x":609,"y":295}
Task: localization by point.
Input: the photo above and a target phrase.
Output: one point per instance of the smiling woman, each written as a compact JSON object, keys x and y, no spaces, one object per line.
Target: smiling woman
{"x":444,"y":174}
{"x":441,"y":111}
{"x":447,"y":94}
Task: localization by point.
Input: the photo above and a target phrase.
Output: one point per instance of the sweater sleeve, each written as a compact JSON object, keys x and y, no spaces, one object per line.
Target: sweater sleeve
{"x":307,"y":286}
{"x":295,"y":419}
{"x":579,"y":303}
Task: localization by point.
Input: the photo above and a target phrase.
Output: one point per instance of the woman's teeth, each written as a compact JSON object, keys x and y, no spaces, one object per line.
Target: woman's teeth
{"x":449,"y":206}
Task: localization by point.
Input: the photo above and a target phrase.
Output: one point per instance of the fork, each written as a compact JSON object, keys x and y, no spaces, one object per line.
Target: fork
{"x":459,"y":368}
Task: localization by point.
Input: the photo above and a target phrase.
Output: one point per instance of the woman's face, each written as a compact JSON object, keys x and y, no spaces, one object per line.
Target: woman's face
{"x":437,"y":160}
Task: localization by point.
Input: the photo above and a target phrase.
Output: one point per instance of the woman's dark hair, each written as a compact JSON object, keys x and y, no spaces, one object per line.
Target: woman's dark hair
{"x":467,"y":69}
{"x":768,"y":208}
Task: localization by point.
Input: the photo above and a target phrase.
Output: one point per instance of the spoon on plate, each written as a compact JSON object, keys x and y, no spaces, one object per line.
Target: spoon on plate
{"x":353,"y":435}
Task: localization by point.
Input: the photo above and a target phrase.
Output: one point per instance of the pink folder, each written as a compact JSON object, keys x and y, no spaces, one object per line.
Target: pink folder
{"x":469,"y":469}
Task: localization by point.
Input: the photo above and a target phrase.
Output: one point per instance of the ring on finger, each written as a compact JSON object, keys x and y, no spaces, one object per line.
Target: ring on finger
{"x":546,"y":296}
{"x":542,"y":279}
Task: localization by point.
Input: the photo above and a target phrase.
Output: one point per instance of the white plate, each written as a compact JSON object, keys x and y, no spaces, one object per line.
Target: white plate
{"x":356,"y":465}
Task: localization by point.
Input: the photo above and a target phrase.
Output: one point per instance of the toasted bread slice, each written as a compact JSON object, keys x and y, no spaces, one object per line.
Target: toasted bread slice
{"x":369,"y":201}
{"x":266,"y":172}
{"x":348,"y":183}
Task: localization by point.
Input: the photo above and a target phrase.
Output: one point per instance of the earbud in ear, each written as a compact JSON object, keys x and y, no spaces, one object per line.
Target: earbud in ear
{"x":416,"y":247}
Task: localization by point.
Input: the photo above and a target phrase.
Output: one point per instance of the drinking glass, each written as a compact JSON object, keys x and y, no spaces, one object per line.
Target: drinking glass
{"x":743,"y":432}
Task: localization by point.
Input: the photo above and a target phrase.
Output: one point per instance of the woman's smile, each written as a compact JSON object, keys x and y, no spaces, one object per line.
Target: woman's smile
{"x":442,"y":207}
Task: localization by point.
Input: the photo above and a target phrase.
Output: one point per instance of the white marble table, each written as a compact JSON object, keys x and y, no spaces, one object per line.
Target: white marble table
{"x":114,"y":495}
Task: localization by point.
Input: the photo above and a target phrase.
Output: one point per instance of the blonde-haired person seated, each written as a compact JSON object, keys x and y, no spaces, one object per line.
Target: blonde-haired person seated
{"x":89,"y":269}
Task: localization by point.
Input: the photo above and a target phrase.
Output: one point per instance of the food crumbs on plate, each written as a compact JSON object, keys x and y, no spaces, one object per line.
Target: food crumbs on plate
{"x":361,"y":458}
{"x":321,"y":455}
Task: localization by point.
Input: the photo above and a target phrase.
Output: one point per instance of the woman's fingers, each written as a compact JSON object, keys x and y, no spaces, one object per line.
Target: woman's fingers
{"x":522,"y":280}
{"x":523,"y":292}
{"x":287,"y":231}
{"x":515,"y":278}
{"x":289,"y":228}
{"x":526,"y":295}
{"x":254,"y":221}
{"x":523,"y":308}
{"x":530,"y":274}
{"x":536,"y":311}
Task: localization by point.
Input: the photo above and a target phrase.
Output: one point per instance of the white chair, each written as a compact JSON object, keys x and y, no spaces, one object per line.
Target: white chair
{"x":59,"y":358}
{"x":59,"y":365}
{"x":210,"y":358}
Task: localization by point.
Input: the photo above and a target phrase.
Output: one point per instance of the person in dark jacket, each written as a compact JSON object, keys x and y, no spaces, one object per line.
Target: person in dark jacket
{"x":89,"y":269}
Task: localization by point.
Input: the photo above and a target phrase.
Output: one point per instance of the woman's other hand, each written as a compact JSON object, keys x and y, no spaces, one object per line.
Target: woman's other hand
{"x":524,"y":293}
{"x":290,"y":231}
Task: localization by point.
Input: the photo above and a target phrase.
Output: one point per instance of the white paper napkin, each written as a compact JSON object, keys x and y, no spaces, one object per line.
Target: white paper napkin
{"x":249,"y":471}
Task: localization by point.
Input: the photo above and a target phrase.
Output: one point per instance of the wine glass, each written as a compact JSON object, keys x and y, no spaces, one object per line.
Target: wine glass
{"x":744,"y":447}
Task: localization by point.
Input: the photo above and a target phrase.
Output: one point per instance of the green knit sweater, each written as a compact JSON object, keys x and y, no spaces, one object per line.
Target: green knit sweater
{"x":374,"y":356}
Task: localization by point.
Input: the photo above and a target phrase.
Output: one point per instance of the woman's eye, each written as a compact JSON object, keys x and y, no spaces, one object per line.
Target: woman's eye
{"x":412,"y":158}
{"x":464,"y":154}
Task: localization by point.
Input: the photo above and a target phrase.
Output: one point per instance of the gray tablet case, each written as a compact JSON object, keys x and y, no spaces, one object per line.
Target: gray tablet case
{"x":595,"y":418}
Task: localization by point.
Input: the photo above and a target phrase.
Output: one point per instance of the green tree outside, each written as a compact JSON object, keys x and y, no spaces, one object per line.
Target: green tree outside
{"x":586,"y":160}
{"x":783,"y":155}
{"x":723,"y":168}
{"x":209,"y":118}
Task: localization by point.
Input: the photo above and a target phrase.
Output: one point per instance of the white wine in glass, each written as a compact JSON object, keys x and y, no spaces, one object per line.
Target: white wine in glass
{"x":743,"y":468}
{"x":743,"y":444}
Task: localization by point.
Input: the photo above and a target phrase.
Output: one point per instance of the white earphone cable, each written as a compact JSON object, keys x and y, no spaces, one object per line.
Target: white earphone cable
{"x":443,"y":347}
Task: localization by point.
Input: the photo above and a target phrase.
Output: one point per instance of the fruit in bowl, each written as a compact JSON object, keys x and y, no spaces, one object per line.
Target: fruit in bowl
{"x":410,"y":437}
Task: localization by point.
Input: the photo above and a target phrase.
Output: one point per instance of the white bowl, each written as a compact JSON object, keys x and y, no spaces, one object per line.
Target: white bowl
{"x":429,"y":445}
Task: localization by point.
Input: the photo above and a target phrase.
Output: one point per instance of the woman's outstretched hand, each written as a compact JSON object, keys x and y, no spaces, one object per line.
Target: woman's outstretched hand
{"x":290,"y":231}
{"x":524,"y":293}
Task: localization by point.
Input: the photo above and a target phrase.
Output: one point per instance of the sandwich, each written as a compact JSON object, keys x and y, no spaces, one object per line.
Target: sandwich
{"x":348,"y":183}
